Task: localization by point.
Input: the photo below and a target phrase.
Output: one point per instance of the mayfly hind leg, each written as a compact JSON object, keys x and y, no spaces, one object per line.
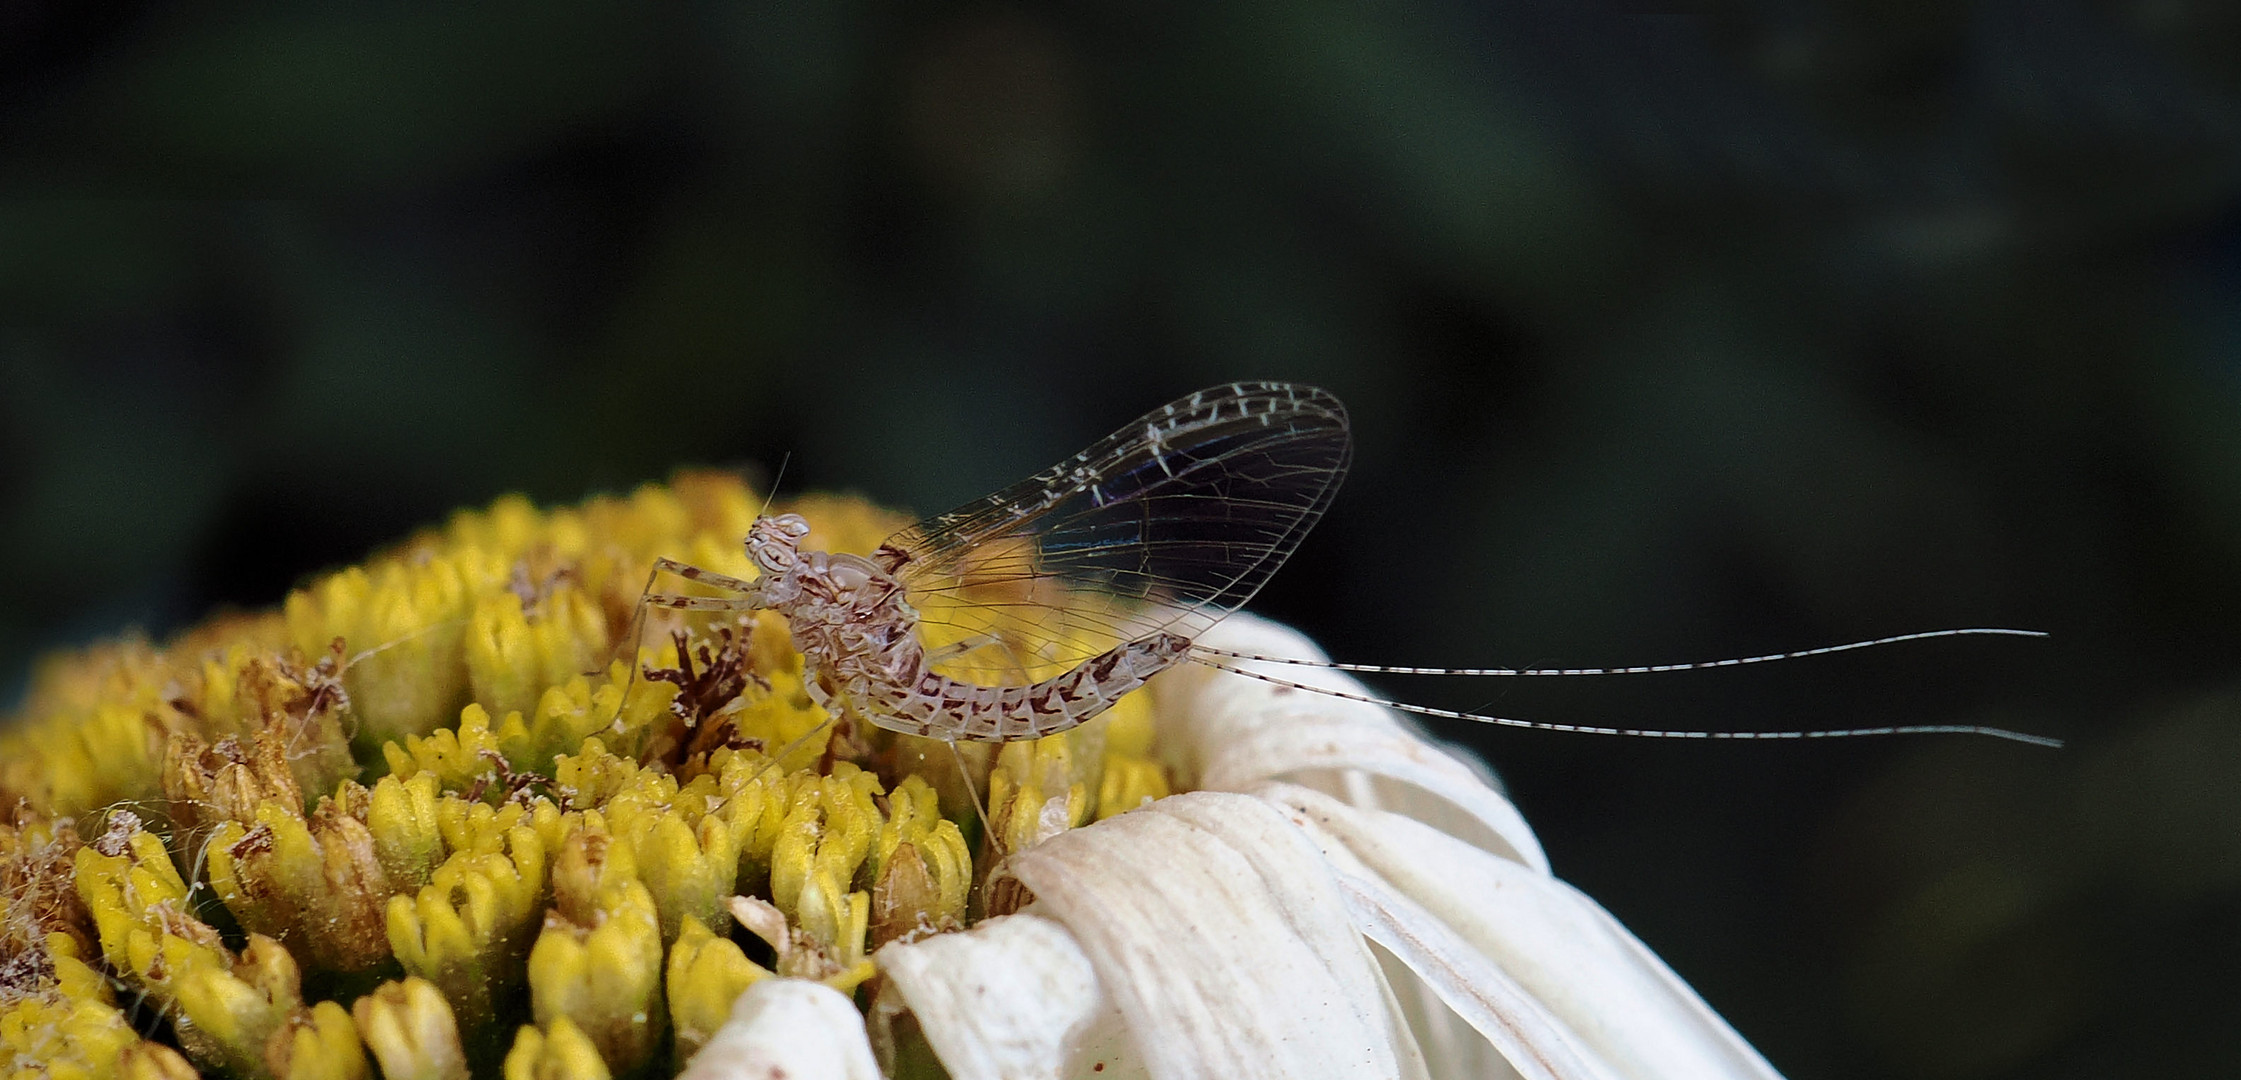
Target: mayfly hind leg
{"x":1017,"y":670}
{"x":972,"y":795}
{"x":798,"y":741}
{"x":1010,"y":664}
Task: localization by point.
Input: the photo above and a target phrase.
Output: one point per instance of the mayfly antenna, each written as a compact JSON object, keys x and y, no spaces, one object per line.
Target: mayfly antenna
{"x":775,"y":479}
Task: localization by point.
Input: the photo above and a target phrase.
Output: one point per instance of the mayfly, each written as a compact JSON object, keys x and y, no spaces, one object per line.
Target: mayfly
{"x":1031,"y":610}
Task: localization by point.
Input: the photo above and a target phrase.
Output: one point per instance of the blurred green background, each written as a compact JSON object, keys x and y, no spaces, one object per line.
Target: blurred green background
{"x":1741,"y":327}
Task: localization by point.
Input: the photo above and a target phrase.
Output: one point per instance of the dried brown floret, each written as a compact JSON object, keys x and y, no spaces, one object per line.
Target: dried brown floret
{"x":36,"y":861}
{"x":700,"y":724}
{"x":209,"y":783}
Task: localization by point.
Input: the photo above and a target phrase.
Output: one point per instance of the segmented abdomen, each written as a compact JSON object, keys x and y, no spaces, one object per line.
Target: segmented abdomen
{"x":940,"y":707}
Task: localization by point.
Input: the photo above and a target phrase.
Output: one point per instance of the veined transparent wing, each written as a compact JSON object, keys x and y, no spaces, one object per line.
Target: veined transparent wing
{"x":1168,"y":524}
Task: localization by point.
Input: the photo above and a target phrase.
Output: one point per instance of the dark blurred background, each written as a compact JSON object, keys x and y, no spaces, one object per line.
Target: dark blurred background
{"x":1668,"y":336}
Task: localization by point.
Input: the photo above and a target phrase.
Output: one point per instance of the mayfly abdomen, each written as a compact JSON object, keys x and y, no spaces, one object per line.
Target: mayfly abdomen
{"x":940,"y":707}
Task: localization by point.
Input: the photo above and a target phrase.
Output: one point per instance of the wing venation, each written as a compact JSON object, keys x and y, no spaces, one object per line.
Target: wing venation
{"x":1168,"y":524}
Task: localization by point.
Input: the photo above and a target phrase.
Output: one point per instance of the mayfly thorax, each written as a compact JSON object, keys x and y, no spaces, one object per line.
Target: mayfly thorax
{"x":1034,"y":609}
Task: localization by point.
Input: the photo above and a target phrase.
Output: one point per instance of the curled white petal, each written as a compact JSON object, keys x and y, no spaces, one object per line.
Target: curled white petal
{"x":1223,"y":939}
{"x":1407,"y":1052}
{"x":1449,"y":1045}
{"x":787,"y":1029}
{"x":1014,"y":998}
{"x":1468,"y":988}
{"x":1230,"y":732}
{"x":1561,"y":947}
{"x":1535,"y":1043}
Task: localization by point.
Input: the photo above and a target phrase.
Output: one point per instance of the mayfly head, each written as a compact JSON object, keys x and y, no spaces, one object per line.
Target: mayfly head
{"x":775,"y":542}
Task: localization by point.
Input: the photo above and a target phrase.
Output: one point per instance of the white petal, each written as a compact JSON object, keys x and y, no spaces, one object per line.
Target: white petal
{"x":1493,"y":1012}
{"x":1534,"y":1043}
{"x":1410,"y":1055}
{"x":1448,"y":1044}
{"x":1014,"y":998}
{"x":787,"y":1029}
{"x":1557,"y":944}
{"x":1221,"y":936}
{"x":1230,"y":732}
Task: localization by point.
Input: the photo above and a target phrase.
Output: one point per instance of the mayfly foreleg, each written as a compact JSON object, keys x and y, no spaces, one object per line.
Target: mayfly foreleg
{"x":648,"y":597}
{"x":666,"y":565}
{"x":686,"y":570}
{"x":675,"y":602}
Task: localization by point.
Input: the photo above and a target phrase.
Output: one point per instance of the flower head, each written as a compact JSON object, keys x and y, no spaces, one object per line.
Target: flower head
{"x":426,"y":819}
